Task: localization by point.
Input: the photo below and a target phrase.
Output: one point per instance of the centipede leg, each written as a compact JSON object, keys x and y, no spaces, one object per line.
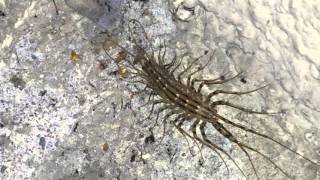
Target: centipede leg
{"x":233,"y":92}
{"x":142,"y":91}
{"x":151,"y":112}
{"x":152,"y":108}
{"x":166,"y":117}
{"x":177,"y":66}
{"x":266,"y":157}
{"x":134,"y":82}
{"x":178,"y":122}
{"x":204,"y":137}
{"x":250,"y":159}
{"x":191,"y":83}
{"x":194,"y":130}
{"x":225,"y":103}
{"x":165,"y":52}
{"x":204,"y":81}
{"x":214,"y":146}
{"x":264,"y":136}
{"x":224,"y":132}
{"x":151,"y":96}
{"x":222,"y":80}
{"x":219,"y":80}
{"x":188,"y":67}
{"x":160,"y":110}
{"x":178,"y":125}
{"x":157,"y":118}
{"x":219,"y":127}
{"x":170,"y":64}
{"x":211,"y":145}
{"x":161,"y":57}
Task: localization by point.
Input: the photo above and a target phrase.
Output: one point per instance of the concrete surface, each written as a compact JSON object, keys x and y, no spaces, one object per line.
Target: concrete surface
{"x":65,"y":112}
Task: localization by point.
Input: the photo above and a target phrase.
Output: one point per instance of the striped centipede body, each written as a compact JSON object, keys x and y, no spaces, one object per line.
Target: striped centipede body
{"x":186,"y":102}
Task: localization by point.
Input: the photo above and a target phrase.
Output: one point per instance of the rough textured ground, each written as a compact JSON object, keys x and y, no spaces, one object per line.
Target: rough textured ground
{"x":65,"y":112}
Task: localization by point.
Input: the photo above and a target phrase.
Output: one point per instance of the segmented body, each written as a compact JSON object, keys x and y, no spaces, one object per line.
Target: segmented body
{"x":187,"y":102}
{"x":190,"y":103}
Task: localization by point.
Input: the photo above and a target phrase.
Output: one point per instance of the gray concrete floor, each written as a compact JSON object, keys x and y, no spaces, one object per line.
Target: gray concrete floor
{"x":66,"y":113}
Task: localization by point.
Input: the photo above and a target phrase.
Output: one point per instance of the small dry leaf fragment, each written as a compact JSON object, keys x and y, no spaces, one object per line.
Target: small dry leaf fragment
{"x":123,"y":72}
{"x":74,"y":56}
{"x":104,"y":147}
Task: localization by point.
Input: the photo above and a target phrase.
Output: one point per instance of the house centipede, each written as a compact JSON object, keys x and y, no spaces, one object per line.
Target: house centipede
{"x":186,"y":102}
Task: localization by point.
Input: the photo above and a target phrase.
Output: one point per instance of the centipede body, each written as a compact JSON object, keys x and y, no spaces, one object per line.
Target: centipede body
{"x":185,"y":101}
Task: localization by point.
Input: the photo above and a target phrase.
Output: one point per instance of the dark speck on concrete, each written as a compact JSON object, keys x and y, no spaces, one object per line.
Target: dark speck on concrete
{"x":75,"y":127}
{"x":42,"y":143}
{"x":4,"y":140}
{"x":53,"y":102}
{"x":3,"y":168}
{"x":76,"y":172}
{"x":81,"y":100}
{"x":42,"y":93}
{"x":2,"y":13}
{"x":149,"y":140}
{"x":18,"y":82}
{"x":34,"y":57}
{"x":243,"y":80}
{"x":133,"y":156}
